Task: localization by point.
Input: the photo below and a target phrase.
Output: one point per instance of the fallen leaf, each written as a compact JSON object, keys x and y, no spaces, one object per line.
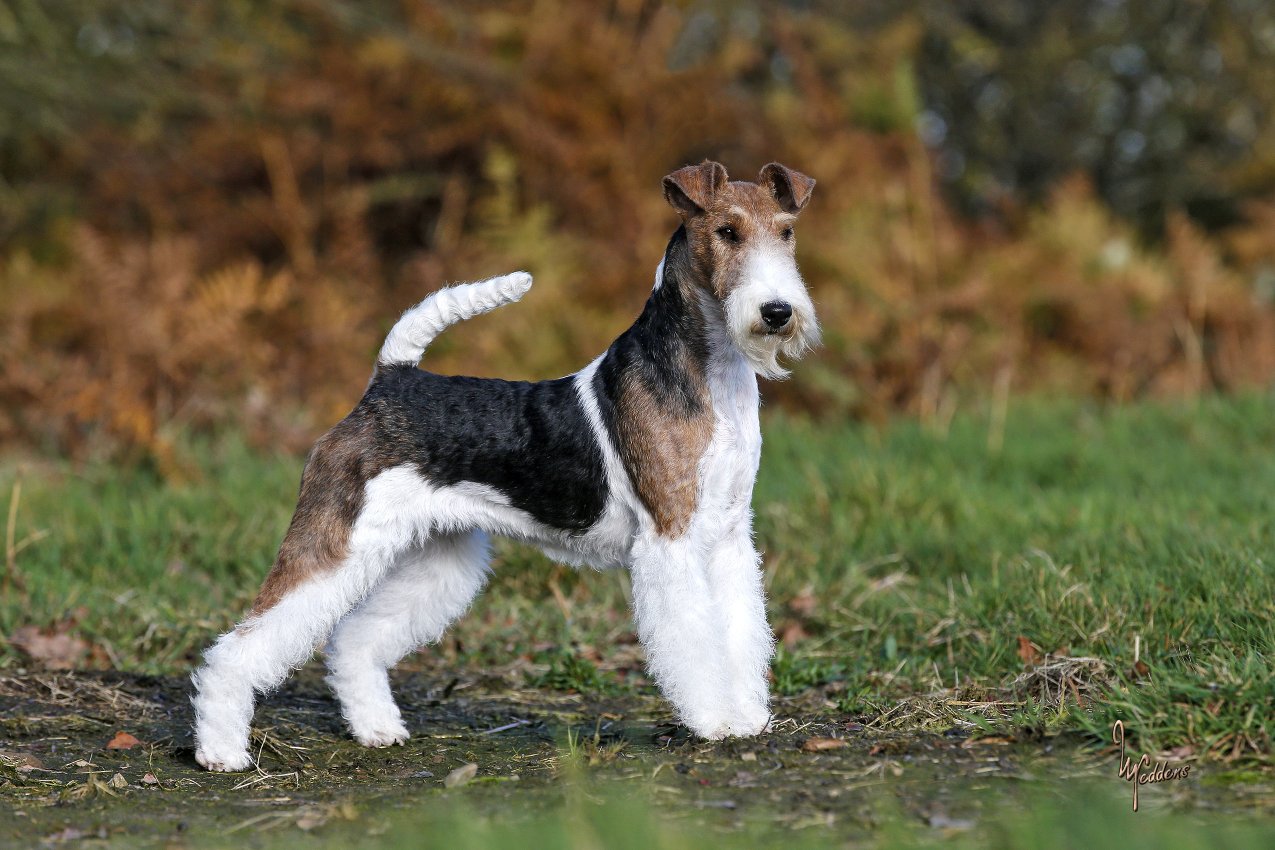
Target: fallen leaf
{"x":149,"y":779}
{"x":805,"y":603}
{"x":990,"y":739}
{"x":310,"y":820}
{"x":54,"y":648}
{"x":943,"y":822}
{"x":64,"y":835}
{"x":1028,"y":651}
{"x":460,"y":775}
{"x":791,"y":633}
{"x":818,"y":745}
{"x":123,"y":741}
{"x":23,"y":761}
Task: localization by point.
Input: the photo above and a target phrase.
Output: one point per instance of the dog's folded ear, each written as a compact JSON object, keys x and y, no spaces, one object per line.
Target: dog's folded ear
{"x":791,"y":188}
{"x":691,"y":189}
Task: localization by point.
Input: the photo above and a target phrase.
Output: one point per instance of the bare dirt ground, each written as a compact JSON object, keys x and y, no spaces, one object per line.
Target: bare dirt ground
{"x":67,"y":773}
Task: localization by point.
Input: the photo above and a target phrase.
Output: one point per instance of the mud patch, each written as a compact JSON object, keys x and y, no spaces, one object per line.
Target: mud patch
{"x":60,"y":781}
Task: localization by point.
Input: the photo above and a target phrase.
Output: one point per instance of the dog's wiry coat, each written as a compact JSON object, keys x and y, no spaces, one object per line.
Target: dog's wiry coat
{"x":332,"y":485}
{"x":653,"y":391}
{"x":645,"y":459}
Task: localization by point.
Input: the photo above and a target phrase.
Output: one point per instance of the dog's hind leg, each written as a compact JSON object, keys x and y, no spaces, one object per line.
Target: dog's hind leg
{"x":259,"y":653}
{"x":429,"y":588}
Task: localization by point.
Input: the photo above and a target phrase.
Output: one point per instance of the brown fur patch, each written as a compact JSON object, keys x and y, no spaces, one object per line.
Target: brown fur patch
{"x":332,"y":492}
{"x":661,"y":447}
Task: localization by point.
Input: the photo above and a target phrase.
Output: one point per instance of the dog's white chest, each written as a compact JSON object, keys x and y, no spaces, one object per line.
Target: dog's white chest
{"x":730,"y":464}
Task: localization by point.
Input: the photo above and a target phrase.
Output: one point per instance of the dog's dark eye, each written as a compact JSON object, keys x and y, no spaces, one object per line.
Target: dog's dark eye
{"x":786,"y":234}
{"x":728,"y":233}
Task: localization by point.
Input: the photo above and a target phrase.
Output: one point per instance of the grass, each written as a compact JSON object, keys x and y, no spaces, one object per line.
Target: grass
{"x":1089,"y":819}
{"x":1094,"y":564}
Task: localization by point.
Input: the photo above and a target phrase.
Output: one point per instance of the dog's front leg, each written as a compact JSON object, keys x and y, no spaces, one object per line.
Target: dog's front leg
{"x":735,"y":581}
{"x":685,"y":652}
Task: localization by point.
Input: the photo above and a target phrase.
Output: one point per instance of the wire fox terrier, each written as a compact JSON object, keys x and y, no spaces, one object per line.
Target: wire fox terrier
{"x":644,"y":459}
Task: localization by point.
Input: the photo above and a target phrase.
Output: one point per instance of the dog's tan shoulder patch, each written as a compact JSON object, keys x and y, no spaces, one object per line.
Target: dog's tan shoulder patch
{"x":661,"y":448}
{"x":653,"y":394}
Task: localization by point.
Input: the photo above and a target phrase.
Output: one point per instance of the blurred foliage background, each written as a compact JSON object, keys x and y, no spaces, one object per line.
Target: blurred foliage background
{"x":210,"y":212}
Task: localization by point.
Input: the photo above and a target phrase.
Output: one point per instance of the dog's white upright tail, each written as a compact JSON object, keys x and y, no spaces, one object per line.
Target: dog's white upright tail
{"x":413,"y":333}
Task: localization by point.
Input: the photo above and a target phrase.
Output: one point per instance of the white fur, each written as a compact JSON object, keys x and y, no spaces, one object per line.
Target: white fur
{"x":699,"y":600}
{"x":413,"y":333}
{"x":431,"y":586}
{"x":418,"y":553}
{"x":770,"y":275}
{"x":260,"y":652}
{"x":448,"y":569}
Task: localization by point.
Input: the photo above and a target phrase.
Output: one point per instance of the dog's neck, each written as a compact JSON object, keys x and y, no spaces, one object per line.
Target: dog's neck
{"x":681,"y":334}
{"x":654,"y":391}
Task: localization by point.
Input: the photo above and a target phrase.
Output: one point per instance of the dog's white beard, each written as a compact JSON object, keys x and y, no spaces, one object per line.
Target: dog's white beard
{"x":767,"y":277}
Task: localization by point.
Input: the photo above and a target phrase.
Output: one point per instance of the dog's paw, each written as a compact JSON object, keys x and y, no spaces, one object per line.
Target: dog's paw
{"x":743,"y":724}
{"x":223,"y":762}
{"x":719,"y":733}
{"x":385,"y":735}
{"x":750,"y":722}
{"x":709,"y":727}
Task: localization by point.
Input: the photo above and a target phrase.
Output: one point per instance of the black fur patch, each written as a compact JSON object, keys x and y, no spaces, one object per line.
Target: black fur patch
{"x":530,"y":441}
{"x":657,"y":350}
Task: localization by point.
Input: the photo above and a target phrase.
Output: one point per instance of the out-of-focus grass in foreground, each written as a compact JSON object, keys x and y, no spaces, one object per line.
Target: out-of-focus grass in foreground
{"x":1087,"y":819}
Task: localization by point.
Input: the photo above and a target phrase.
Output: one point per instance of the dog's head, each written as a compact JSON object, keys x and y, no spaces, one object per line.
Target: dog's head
{"x":741,"y":243}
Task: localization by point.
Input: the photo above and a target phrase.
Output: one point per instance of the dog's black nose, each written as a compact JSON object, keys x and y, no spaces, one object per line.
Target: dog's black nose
{"x":776,"y":314}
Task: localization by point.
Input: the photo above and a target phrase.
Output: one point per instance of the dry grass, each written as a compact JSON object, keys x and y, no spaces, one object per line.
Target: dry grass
{"x":1058,"y":682}
{"x":83,"y":694}
{"x":218,"y":270}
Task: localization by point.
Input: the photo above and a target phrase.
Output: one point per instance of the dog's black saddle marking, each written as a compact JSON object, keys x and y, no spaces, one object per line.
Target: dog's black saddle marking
{"x":530,"y":441}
